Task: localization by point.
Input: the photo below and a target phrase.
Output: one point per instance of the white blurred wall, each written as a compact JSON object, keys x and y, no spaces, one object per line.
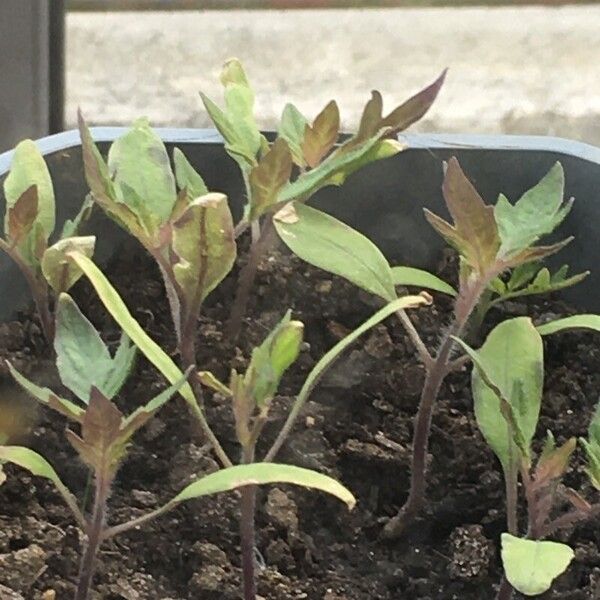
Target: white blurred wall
{"x":528,"y":70}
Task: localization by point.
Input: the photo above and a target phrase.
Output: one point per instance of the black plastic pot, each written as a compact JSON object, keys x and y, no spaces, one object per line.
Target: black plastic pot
{"x":384,"y":200}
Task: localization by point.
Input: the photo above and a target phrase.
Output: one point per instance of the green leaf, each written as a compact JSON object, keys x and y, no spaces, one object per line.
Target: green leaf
{"x":59,"y":271}
{"x":268,"y":178}
{"x":509,"y":368}
{"x":232,"y":478}
{"x":139,"y":165}
{"x":273,"y":357}
{"x":204,"y":248}
{"x":236,"y":123}
{"x":37,"y":465}
{"x":71,"y":227}
{"x":474,"y":233}
{"x":47,"y":396}
{"x":103,"y":189}
{"x":29,"y":168}
{"x":536,"y":214}
{"x":329,"y":244}
{"x":187,"y":177}
{"x":592,"y":449}
{"x":421,"y":279}
{"x":333,"y":354}
{"x":120,"y":313}
{"x":21,"y":217}
{"x":320,"y":137}
{"x":521,"y":275}
{"x":82,"y":358}
{"x":531,"y":566}
{"x":210,"y":381}
{"x":337,"y":166}
{"x":291,"y":129}
{"x":576,"y":322}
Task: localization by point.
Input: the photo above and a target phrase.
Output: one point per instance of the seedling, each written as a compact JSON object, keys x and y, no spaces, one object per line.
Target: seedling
{"x":490,"y":241}
{"x":29,"y":221}
{"x":251,"y":393}
{"x":105,"y":434}
{"x":310,"y":149}
{"x":507,"y":384}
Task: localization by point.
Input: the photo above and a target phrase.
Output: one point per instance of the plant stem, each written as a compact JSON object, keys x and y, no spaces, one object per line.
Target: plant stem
{"x":94,"y":538}
{"x":410,"y":329}
{"x":247,"y":276}
{"x":435,"y":375}
{"x":247,"y":532}
{"x":511,"y":479}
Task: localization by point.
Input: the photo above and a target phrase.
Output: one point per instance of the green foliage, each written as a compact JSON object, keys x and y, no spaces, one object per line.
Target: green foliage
{"x":28,"y":224}
{"x":82,"y":358}
{"x":493,"y":239}
{"x":329,"y":244}
{"x":260,"y":474}
{"x":420,"y":279}
{"x":59,"y":272}
{"x":267,"y":168}
{"x":591,"y":446}
{"x":531,"y":566}
{"x":567,"y":323}
{"x":507,"y":387}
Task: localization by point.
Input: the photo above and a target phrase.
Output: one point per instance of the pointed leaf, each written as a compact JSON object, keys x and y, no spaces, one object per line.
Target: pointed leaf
{"x":531,"y":566}
{"x":291,"y":129}
{"x":537,"y":213}
{"x":22,"y":216}
{"x":187,"y":177}
{"x":415,"y":107}
{"x":102,"y":188}
{"x":329,"y":244}
{"x":338,"y":166}
{"x":554,"y":462}
{"x":210,"y":381}
{"x":60,"y":272}
{"x":474,"y":233}
{"x":120,"y":313}
{"x":576,"y":322}
{"x":272,"y":358}
{"x":320,"y":137}
{"x":512,"y":360}
{"x":139,"y":165}
{"x":204,"y":245}
{"x":268,"y":178}
{"x":422,"y":279}
{"x":37,"y":465}
{"x":232,"y":478}
{"x":78,"y":345}
{"x":28,"y":168}
{"x":71,"y":227}
{"x":47,"y":396}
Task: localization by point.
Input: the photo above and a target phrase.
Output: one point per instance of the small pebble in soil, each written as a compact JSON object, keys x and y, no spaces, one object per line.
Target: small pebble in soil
{"x":282,"y":510}
{"x":471,"y":553}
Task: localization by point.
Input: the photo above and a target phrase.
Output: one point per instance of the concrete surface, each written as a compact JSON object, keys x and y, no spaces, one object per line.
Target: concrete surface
{"x":517,"y":70}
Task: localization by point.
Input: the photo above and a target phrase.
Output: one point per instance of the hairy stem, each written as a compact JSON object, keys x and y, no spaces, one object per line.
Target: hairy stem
{"x":412,"y":332}
{"x":247,"y":532}
{"x":435,"y":375}
{"x":247,"y":277}
{"x":94,"y":537}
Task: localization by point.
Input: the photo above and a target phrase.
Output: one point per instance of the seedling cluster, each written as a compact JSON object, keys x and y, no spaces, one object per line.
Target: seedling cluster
{"x":188,"y":230}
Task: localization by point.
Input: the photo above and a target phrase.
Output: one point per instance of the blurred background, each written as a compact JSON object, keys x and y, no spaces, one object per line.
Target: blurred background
{"x":515,"y":67}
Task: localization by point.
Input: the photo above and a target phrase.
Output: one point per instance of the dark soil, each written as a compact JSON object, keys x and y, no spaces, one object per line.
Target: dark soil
{"x":356,"y":427}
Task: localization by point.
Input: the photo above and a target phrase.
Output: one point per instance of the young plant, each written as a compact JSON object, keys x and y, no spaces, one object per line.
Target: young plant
{"x":251,"y":393}
{"x":507,"y":384}
{"x":308,"y":149}
{"x":29,"y":221}
{"x":105,"y":436}
{"x":490,"y":241}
